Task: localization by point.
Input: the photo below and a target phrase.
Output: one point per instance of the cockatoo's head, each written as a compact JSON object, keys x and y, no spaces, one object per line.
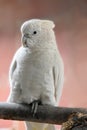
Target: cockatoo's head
{"x":36,"y":32}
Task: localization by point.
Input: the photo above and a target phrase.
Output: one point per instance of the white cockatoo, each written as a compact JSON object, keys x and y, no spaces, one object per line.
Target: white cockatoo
{"x":36,"y":72}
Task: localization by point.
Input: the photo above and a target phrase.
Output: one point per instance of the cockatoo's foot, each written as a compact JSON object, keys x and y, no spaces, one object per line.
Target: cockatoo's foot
{"x":35,"y":106}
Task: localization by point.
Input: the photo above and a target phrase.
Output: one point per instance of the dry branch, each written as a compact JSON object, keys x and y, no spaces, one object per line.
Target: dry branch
{"x":77,"y":121}
{"x":45,"y":114}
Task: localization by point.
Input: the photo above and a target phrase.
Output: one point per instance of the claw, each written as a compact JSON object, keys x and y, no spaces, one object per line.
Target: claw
{"x":35,"y":106}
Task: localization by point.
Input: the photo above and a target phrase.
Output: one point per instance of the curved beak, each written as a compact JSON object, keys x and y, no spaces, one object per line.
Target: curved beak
{"x":24,"y":41}
{"x":26,"y":35}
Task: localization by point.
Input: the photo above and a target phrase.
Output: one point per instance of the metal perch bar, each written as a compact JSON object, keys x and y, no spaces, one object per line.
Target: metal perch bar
{"x":45,"y":113}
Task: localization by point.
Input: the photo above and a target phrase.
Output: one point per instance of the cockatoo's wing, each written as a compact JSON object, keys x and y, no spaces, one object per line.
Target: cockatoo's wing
{"x":11,"y":71}
{"x":58,"y":75}
{"x":12,"y":68}
{"x":15,"y":90}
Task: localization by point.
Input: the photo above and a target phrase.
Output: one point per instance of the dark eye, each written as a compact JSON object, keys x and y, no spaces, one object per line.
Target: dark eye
{"x":35,"y":32}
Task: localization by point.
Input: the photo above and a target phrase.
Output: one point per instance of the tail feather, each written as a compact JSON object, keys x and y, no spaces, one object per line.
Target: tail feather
{"x":51,"y":127}
{"x":39,"y":126}
{"x":28,"y":126}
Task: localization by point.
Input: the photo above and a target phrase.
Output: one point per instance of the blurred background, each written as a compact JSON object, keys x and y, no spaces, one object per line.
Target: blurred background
{"x":70,"y":17}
